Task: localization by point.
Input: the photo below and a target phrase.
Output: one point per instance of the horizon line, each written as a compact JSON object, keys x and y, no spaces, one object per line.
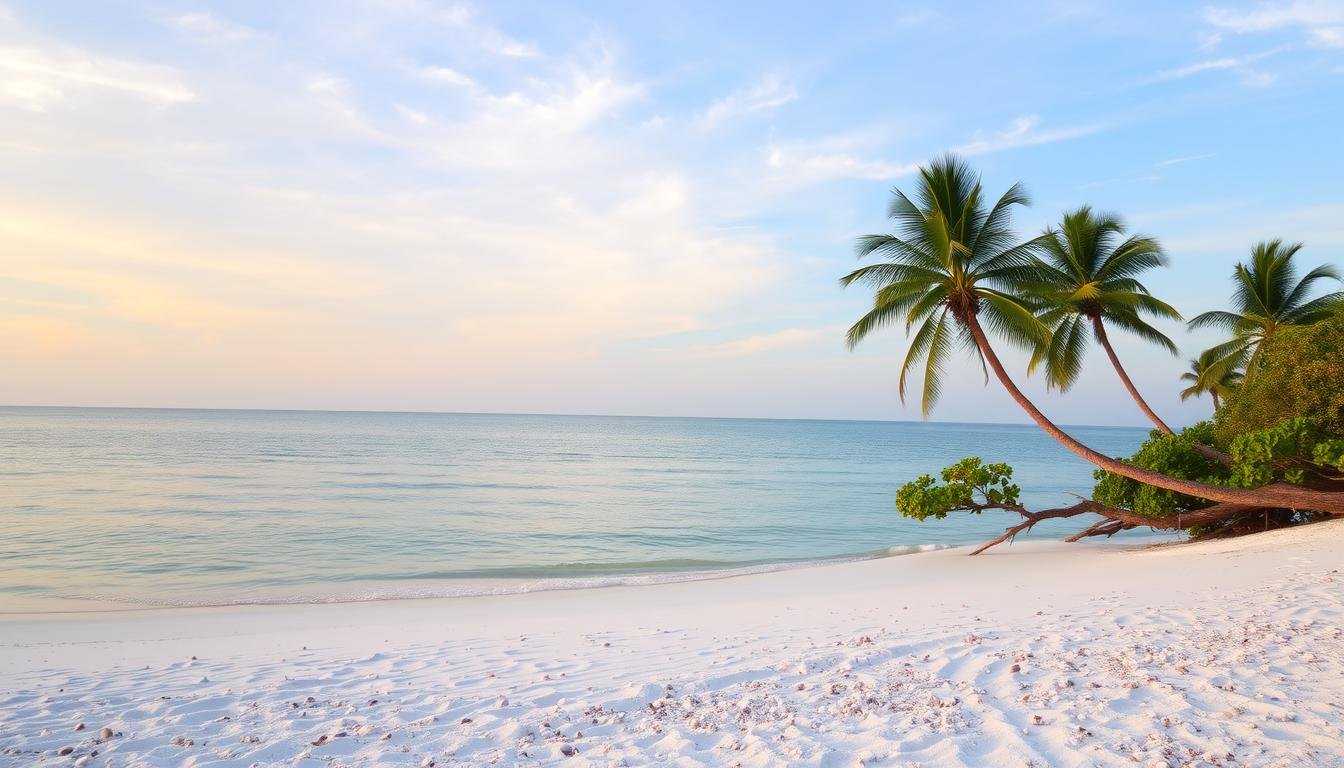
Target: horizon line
{"x":12,"y":406}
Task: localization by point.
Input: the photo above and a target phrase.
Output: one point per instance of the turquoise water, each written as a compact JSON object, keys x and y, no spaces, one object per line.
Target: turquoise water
{"x":213,"y":507}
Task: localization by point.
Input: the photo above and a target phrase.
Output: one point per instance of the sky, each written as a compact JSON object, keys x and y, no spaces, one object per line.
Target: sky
{"x":619,"y":208}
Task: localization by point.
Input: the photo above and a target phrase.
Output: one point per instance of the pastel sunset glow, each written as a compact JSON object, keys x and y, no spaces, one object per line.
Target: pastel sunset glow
{"x":631,"y":209}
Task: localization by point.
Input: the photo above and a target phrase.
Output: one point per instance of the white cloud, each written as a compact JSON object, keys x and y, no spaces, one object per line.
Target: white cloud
{"x":1271,"y":16}
{"x":1024,"y":132}
{"x":1209,"y":40}
{"x":480,"y":33}
{"x":808,"y":162}
{"x":448,"y":76}
{"x":1237,"y":64}
{"x":766,"y":95}
{"x":1328,"y":37}
{"x":1257,"y":79}
{"x":38,"y":79}
{"x":213,"y":29}
{"x":1185,"y":159}
{"x":1321,"y":20}
{"x":848,"y":156}
{"x":766,"y":342}
{"x":1210,"y":65}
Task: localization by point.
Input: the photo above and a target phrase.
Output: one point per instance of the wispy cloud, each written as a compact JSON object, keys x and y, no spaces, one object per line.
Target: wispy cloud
{"x":1322,"y":20}
{"x":1024,"y":131}
{"x":475,"y":31}
{"x":1241,"y":65}
{"x":765,"y":95}
{"x":38,"y":79}
{"x":752,"y":345}
{"x":212,"y":29}
{"x":1185,"y":159}
{"x":1328,"y":37}
{"x":849,"y":156}
{"x":447,"y":75}
{"x":816,"y":161}
{"x":1147,"y":175}
{"x":1211,"y":65}
{"x":487,"y":36}
{"x":1208,"y":40}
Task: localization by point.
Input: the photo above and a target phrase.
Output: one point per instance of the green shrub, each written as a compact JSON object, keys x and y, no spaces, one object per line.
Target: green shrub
{"x":1300,"y":374}
{"x":1173,"y":455}
{"x":923,"y":497}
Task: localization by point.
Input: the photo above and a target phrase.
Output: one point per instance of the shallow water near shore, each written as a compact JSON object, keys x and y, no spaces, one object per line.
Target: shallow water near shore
{"x":199,"y":507}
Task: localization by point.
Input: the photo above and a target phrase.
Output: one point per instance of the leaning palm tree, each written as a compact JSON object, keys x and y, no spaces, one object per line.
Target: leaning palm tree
{"x":1086,"y":280}
{"x":1208,"y":375}
{"x":953,"y":269}
{"x":1266,"y":298}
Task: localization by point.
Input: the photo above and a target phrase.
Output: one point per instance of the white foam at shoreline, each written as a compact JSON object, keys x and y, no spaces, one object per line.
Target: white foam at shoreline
{"x":481,"y":586}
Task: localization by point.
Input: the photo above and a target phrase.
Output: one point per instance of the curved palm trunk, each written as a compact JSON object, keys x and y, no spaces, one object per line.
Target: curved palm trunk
{"x":1275,"y":495}
{"x":1216,"y":404}
{"x":1100,"y":331}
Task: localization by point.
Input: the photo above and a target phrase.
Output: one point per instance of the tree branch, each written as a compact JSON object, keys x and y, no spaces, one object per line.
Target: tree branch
{"x":1116,"y":520}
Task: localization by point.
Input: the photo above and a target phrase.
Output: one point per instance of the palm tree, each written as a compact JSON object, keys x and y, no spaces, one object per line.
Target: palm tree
{"x":1209,"y":375}
{"x":954,"y":264}
{"x":954,"y":261}
{"x":1267,"y":298}
{"x":1088,"y":279}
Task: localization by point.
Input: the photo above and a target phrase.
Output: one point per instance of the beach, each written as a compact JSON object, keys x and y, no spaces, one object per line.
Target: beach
{"x":1226,"y":653}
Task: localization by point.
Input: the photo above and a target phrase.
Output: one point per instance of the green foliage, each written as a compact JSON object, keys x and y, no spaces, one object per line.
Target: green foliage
{"x":1200,"y":432}
{"x":1301,"y":376}
{"x":1089,"y":273}
{"x":1172,"y":455}
{"x":924,"y":497}
{"x":1267,"y":298}
{"x":953,"y":254}
{"x":1329,"y":453}
{"x":1293,"y":451}
{"x":1211,"y":374}
{"x":1266,"y":455}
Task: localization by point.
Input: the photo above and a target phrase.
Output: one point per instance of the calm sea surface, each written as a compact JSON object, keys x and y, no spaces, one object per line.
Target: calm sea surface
{"x":187,"y":507}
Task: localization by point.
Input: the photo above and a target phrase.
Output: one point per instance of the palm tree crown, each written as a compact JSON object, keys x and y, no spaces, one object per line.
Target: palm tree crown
{"x":1087,"y":276}
{"x":1211,"y":376}
{"x":953,"y":257}
{"x":1266,"y":298}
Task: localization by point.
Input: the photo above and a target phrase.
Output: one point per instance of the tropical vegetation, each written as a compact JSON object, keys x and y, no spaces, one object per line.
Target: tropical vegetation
{"x":1088,"y":279}
{"x":954,"y":273}
{"x":1266,"y":299}
{"x":1212,"y":376}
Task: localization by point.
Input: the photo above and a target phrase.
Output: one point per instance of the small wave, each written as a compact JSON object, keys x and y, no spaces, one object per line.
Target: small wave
{"x":486,"y":584}
{"x":914,"y":549}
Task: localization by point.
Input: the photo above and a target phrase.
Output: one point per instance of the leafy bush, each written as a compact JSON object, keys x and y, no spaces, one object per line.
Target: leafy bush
{"x":923,"y":497}
{"x":1173,"y":455}
{"x":1282,"y":452}
{"x":1301,"y":374}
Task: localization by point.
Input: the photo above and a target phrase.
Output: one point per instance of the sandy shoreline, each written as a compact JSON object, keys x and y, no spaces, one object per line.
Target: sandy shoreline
{"x":1223,"y":653}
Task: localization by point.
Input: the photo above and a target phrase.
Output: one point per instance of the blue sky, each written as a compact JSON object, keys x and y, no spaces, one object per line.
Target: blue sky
{"x":608,"y":208}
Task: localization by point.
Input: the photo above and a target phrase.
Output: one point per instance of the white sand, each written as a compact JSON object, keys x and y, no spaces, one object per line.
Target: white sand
{"x":1224,"y":653}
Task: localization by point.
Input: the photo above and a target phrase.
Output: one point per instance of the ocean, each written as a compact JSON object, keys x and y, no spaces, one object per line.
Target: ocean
{"x":147,"y":507}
